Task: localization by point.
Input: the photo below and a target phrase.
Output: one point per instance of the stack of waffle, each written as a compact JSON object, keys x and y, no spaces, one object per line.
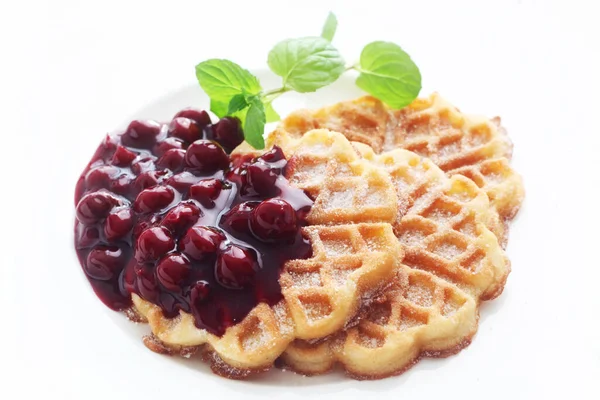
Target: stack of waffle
{"x":408,"y":231}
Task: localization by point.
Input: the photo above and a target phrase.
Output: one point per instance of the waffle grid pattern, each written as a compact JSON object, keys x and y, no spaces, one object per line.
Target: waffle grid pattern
{"x":473,"y":146}
{"x":452,"y":262}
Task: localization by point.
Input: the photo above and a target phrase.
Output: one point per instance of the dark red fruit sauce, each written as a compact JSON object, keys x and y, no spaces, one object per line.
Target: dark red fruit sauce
{"x":163,"y":211}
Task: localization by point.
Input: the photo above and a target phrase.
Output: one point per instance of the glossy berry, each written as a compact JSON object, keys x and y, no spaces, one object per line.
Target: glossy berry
{"x":141,"y":134}
{"x":143,"y":165}
{"x":153,"y":243}
{"x":94,"y":207}
{"x":123,"y":157}
{"x":172,"y":270}
{"x":86,"y":236}
{"x":144,"y":222}
{"x":101,"y":177}
{"x":238,"y":218}
{"x":237,"y":176}
{"x":122,"y":184}
{"x":261,"y":179}
{"x":185,"y":129}
{"x":199,"y":292}
{"x":148,"y":179}
{"x":146,"y":283}
{"x":172,"y":159}
{"x":275,"y":155}
{"x":182,"y":181}
{"x":164,"y":214}
{"x":227,"y":132}
{"x":274,"y":219}
{"x":201,"y":117}
{"x":236,"y":267}
{"x":206,"y":156}
{"x":168,"y":144}
{"x":181,"y":217}
{"x":201,"y":241}
{"x":118,"y":224}
{"x":206,"y":191}
{"x":104,"y":262}
{"x":127,"y":279}
{"x":153,"y":199}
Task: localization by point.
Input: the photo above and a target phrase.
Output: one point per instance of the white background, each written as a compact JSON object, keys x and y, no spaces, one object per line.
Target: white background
{"x":72,"y":70}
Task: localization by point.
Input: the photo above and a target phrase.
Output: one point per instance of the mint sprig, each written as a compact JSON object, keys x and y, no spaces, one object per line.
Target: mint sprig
{"x":306,"y":65}
{"x":329,"y":27}
{"x":389,"y":74}
{"x":255,"y":123}
{"x":224,"y":79}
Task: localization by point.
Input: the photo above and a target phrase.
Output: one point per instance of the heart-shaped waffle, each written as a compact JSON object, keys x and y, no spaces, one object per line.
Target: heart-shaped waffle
{"x":473,"y":146}
{"x":452,"y":262}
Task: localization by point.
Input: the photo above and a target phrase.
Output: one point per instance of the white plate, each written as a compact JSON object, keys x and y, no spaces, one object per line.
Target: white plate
{"x":162,"y":109}
{"x":505,"y":323}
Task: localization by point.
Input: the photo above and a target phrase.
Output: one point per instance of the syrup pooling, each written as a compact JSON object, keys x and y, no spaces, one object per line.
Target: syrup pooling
{"x":163,"y":212}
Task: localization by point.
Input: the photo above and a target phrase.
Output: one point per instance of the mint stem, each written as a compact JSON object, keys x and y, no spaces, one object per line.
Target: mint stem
{"x":276,"y":92}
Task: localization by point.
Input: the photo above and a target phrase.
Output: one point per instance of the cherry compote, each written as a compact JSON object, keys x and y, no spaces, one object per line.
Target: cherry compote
{"x":164,"y":212}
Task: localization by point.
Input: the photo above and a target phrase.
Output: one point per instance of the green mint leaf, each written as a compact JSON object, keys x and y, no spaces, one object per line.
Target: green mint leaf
{"x":389,"y":74}
{"x":254,"y":125}
{"x":219,"y":108}
{"x":329,"y":28}
{"x":306,"y":64}
{"x":237,"y":103}
{"x":270,"y":113}
{"x":223,"y":79}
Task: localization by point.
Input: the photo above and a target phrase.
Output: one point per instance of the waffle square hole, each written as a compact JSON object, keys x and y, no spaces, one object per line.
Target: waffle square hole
{"x":449,"y":146}
{"x":370,"y":338}
{"x":375,"y":237}
{"x":337,"y":243}
{"x":468,"y":227}
{"x":417,"y":125}
{"x":341,"y":271}
{"x":423,"y":196}
{"x":411,"y":318}
{"x":305,"y":279}
{"x":441,"y":211}
{"x":447,"y":120}
{"x":253,"y":335}
{"x":388,"y":163}
{"x":373,"y":198}
{"x":420,"y":148}
{"x":420,"y":291}
{"x":452,"y":302}
{"x":316,"y":306}
{"x":450,"y":246}
{"x":480,"y":135}
{"x":305,"y":173}
{"x":380,"y":313}
{"x":494,"y":171}
{"x":461,"y":190}
{"x":472,"y":174}
{"x":474,"y":262}
{"x":414,"y":231}
{"x":342,"y":198}
{"x":401,"y":181}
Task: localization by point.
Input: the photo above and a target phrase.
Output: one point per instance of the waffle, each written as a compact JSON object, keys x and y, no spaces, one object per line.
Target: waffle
{"x":356,"y":256}
{"x":473,"y":146}
{"x":452,"y":262}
